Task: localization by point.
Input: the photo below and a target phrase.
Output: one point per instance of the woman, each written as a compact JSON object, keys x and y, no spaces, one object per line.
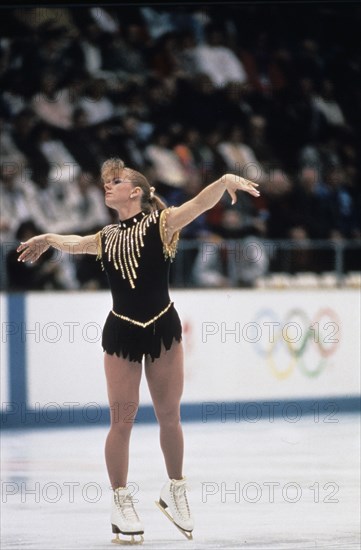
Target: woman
{"x":136,"y":255}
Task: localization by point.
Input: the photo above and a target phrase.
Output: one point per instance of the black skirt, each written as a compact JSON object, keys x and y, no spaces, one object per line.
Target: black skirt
{"x":133,"y":342}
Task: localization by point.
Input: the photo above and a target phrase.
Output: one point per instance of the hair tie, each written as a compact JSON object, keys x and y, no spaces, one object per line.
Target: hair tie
{"x":151,"y":194}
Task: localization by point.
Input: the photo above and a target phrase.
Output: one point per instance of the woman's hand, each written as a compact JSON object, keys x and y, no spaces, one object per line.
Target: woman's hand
{"x":32,"y":249}
{"x":235,"y":183}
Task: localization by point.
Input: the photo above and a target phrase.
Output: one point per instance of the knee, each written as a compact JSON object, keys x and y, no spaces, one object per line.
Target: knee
{"x":120,"y":428}
{"x":122,"y":419}
{"x":168,"y":418}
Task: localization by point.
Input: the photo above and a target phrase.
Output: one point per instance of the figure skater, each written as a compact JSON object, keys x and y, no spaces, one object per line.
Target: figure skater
{"x":136,"y":253}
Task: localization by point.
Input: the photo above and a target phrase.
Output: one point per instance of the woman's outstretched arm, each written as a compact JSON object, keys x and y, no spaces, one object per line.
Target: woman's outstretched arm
{"x":181,"y":216}
{"x":32,"y":249}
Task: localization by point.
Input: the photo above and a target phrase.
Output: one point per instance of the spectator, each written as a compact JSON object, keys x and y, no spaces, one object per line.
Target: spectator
{"x":168,"y":169}
{"x":133,"y":137}
{"x":236,"y":108}
{"x":50,"y":272}
{"x":212,"y":162}
{"x":51,"y":54}
{"x":95,"y":103}
{"x":90,"y":214}
{"x":124,"y":59}
{"x":199,"y":227}
{"x":256,"y":58}
{"x":22,"y":136}
{"x":309,"y":61}
{"x":185,"y":58}
{"x":82,"y":143}
{"x":84,"y":84}
{"x":238,"y":223}
{"x":50,"y":204}
{"x":135,"y":105}
{"x":313,"y":212}
{"x":310,"y":156}
{"x":199,"y":103}
{"x":10,"y":153}
{"x":62,"y":165}
{"x":259,"y":142}
{"x":330,"y":149}
{"x":51,"y":104}
{"x":209,"y":268}
{"x":240,"y":158}
{"x":246,"y":258}
{"x":14,"y":97}
{"x":276,"y":209}
{"x":158,"y":22}
{"x":87,"y":208}
{"x":327,"y":105}
{"x":343,"y":203}
{"x":161,"y":101}
{"x":14,"y":207}
{"x":185,"y":155}
{"x":165,"y":59}
{"x":105,"y":19}
{"x":91,"y":43}
{"x":216,"y":60}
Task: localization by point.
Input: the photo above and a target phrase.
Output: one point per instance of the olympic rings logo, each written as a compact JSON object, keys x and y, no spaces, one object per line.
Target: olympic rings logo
{"x":298,"y":341}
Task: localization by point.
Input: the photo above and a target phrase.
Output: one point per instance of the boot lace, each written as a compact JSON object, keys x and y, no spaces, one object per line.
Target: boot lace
{"x":180,"y":499}
{"x":125,"y":505}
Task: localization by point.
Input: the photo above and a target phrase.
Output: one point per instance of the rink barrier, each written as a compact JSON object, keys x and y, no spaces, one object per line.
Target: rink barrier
{"x":23,"y":409}
{"x":17,"y":351}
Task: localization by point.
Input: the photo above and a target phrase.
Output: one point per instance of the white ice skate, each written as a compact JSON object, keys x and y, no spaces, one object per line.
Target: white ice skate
{"x":174,"y":497}
{"x":124,"y":518}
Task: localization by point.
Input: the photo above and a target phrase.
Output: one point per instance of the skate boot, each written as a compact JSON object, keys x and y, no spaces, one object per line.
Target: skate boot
{"x":174,"y":497}
{"x":124,"y":518}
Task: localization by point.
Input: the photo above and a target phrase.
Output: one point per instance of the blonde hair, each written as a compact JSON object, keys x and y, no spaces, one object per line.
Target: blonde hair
{"x":149,"y":200}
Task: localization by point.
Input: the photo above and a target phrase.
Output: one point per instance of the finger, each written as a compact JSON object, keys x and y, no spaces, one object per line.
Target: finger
{"x":250,"y":188}
{"x":232,"y":195}
{"x":24,"y":257}
{"x":21,"y":247}
{"x":27,"y":255}
{"x":251,"y":184}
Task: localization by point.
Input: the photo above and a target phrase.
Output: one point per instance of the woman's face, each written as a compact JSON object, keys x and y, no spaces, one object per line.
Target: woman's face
{"x":118,"y":188}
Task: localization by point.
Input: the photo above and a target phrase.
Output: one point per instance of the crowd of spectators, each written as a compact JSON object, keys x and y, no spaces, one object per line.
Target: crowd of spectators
{"x":184,"y":95}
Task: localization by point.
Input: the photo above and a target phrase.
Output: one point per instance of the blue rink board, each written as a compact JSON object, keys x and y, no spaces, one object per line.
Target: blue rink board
{"x":17,"y":413}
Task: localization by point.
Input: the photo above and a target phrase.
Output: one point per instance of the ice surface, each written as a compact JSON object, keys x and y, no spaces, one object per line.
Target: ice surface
{"x":312,"y":466}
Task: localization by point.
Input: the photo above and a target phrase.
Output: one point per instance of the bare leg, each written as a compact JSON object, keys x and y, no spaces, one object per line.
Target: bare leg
{"x":123,"y":379}
{"x":165,"y":381}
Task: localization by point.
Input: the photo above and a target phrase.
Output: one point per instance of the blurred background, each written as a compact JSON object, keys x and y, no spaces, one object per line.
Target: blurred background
{"x":185,"y":94}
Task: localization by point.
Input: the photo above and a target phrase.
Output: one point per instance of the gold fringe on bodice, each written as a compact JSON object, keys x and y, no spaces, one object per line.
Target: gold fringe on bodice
{"x":123,"y":246}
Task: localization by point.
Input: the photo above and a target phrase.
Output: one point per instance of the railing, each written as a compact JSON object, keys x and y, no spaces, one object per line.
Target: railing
{"x":242,"y":262}
{"x":254,"y":262}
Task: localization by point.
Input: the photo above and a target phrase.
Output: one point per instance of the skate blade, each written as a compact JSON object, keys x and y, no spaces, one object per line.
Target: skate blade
{"x":128,"y":542}
{"x":188,"y":534}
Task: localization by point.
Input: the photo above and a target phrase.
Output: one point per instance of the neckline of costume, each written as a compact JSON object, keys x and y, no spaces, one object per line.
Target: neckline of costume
{"x":132,"y":220}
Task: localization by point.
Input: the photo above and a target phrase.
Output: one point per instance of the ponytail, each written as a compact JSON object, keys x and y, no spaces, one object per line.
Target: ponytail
{"x":150,"y":200}
{"x":156,"y":203}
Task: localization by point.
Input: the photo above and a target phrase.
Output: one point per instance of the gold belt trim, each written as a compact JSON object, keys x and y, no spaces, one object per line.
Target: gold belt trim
{"x":139,"y":323}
